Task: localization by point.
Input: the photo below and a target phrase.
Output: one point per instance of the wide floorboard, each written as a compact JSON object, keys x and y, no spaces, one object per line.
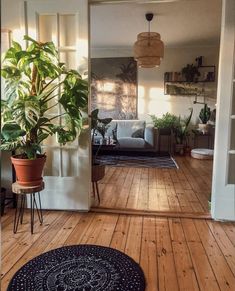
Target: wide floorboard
{"x":186,"y":189}
{"x":175,"y":254}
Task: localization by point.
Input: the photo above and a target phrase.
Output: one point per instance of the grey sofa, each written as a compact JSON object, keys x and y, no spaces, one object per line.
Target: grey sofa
{"x":132,"y":135}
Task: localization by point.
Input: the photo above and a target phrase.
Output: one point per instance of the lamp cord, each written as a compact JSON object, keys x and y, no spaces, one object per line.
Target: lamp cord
{"x":149,"y":34}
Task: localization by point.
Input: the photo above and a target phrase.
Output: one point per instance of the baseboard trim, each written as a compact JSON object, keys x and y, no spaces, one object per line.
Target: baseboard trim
{"x":167,"y":214}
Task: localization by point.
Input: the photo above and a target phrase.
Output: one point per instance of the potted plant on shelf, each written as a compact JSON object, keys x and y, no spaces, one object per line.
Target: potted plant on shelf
{"x":204,"y":117}
{"x":36,"y":82}
{"x":191,"y":73}
{"x":181,"y":133}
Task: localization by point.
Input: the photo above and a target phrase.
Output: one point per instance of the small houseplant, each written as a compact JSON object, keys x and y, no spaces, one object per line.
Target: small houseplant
{"x":204,"y":117}
{"x":191,"y":73}
{"x":98,"y":125}
{"x":35,"y":82}
{"x":181,"y":132}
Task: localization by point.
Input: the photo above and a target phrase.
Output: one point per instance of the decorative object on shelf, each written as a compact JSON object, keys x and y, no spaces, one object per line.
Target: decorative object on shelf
{"x":148,"y":49}
{"x":32,"y":78}
{"x":199,"y":61}
{"x":204,"y":117}
{"x":114,"y":87}
{"x":191,"y":73}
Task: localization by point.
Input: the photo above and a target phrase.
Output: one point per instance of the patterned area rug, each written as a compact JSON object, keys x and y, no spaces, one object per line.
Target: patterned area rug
{"x":80,"y":268}
{"x":138,"y":161}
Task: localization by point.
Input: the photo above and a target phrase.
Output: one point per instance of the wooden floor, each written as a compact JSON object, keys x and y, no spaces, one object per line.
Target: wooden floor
{"x":175,"y":254}
{"x":186,"y":189}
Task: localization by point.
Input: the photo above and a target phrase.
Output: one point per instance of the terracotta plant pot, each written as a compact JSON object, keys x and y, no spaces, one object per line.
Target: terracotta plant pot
{"x":28,"y":172}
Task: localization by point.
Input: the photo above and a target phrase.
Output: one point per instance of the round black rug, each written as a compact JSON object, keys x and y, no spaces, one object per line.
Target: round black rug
{"x":80,"y":268}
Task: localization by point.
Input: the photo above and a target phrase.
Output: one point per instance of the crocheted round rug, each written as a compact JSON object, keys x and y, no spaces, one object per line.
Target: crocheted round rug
{"x":80,"y":268}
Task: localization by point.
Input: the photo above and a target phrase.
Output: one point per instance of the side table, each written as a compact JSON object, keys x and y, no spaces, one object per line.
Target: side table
{"x":208,"y":136}
{"x":22,"y":192}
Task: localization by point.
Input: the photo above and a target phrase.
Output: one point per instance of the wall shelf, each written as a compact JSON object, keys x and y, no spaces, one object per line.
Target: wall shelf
{"x":231,"y":152}
{"x":176,"y":84}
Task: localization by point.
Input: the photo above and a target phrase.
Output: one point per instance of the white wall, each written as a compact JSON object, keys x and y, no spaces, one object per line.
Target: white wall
{"x":151,"y":98}
{"x":12,"y":17}
{"x":12,"y":13}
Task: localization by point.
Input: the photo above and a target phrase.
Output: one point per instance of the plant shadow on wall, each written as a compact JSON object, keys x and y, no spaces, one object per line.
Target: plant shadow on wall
{"x":35,"y":84}
{"x":114,"y":87}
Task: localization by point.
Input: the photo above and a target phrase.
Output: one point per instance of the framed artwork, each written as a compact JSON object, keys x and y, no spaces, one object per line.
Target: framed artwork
{"x":114,"y":87}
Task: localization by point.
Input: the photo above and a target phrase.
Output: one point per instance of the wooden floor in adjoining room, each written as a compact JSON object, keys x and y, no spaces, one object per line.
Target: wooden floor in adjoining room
{"x":175,"y":254}
{"x":186,"y":189}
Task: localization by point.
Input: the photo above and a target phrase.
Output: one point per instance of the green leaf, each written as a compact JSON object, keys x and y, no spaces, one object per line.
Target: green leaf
{"x":31,"y":150}
{"x":26,"y":37}
{"x":26,"y":112}
{"x":11,"y":145}
{"x":11,"y":131}
{"x":105,"y":121}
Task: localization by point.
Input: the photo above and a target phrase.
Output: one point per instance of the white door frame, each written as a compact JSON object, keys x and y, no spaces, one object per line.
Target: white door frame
{"x":223,"y":194}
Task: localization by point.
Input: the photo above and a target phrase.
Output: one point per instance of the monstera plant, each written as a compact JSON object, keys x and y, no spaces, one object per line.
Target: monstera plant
{"x":35,"y":84}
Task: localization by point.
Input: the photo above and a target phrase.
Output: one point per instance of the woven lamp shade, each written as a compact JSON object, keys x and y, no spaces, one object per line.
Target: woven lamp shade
{"x":148,"y":49}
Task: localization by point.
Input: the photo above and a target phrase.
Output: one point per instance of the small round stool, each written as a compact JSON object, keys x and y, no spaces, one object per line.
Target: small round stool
{"x":22,"y":191}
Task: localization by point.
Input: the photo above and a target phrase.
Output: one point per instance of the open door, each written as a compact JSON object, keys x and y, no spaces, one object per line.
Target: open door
{"x":67,"y":171}
{"x":223,"y":187}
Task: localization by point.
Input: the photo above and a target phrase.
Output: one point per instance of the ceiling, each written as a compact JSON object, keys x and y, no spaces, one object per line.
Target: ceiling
{"x":182,"y":23}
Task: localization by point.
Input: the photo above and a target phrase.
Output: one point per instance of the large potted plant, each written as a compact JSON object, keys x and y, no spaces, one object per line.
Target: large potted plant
{"x":204,"y":117}
{"x":181,"y":133}
{"x":164,"y":124}
{"x":36,"y":82}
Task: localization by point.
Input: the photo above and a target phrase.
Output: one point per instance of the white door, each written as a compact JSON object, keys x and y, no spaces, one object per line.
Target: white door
{"x":67,"y":171}
{"x":223,"y":186}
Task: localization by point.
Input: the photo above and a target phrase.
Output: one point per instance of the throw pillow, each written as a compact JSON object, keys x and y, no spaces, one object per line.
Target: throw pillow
{"x":139,"y":133}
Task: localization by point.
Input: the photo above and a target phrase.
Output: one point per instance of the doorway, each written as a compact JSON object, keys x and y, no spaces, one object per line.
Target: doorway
{"x":185,"y":190}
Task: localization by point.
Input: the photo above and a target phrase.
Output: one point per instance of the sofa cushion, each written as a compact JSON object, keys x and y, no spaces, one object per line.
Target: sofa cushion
{"x":130,"y":128}
{"x":138,"y":133}
{"x":130,"y":142}
{"x":112,"y":127}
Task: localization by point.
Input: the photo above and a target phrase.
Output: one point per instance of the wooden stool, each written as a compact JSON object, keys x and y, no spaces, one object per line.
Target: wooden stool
{"x":19,"y":212}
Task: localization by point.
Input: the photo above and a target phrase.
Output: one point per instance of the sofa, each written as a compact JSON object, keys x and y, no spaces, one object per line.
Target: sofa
{"x":134,"y":135}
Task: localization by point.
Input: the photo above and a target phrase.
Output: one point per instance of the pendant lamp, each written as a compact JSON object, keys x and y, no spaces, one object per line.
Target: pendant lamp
{"x":148,"y":49}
